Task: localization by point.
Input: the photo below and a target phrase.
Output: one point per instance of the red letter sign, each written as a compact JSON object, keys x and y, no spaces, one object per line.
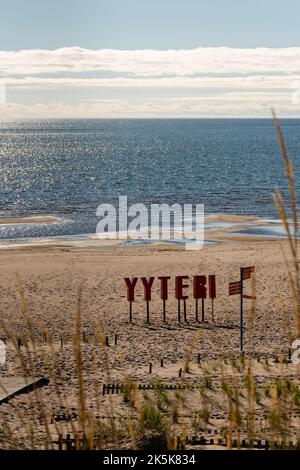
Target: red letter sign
{"x":130,"y":284}
{"x":179,"y":286}
{"x":199,"y":289}
{"x":147,"y":283}
{"x":164,"y":287}
{"x":212,"y":286}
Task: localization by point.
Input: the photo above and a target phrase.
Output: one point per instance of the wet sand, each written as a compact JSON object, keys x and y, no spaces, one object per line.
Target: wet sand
{"x":38,"y":219}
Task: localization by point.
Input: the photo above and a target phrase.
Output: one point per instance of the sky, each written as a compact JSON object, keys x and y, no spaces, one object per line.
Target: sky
{"x":149,"y":58}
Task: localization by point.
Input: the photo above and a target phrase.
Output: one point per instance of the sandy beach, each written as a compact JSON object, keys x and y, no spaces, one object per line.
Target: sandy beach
{"x":52,"y":276}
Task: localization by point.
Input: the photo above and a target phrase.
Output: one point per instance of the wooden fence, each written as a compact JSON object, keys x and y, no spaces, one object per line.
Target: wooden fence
{"x":120,"y":388}
{"x":77,"y":442}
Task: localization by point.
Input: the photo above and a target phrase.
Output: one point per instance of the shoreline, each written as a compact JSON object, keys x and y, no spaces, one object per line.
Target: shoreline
{"x":218,"y":228}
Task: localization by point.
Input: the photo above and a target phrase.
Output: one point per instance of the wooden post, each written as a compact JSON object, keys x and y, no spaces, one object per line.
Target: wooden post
{"x":259,"y":443}
{"x":116,"y":339}
{"x":179,"y":320}
{"x":130,"y":312}
{"x":148,"y":312}
{"x":106,"y":341}
{"x":212,"y":310}
{"x":60,"y":442}
{"x":203,"y":311}
{"x":68,"y":442}
{"x":267,"y":445}
{"x":184,"y":311}
{"x":19,"y":343}
{"x":197,"y":311}
{"x":150,"y":368}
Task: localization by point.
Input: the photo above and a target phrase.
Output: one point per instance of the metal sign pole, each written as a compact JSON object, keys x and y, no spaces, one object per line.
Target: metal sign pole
{"x":184,"y":311}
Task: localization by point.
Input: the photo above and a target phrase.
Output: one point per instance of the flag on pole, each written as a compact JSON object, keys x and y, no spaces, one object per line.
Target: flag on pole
{"x":247,"y":271}
{"x":235,"y":288}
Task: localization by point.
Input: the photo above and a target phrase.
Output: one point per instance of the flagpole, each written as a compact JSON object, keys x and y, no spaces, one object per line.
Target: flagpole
{"x":241,"y":312}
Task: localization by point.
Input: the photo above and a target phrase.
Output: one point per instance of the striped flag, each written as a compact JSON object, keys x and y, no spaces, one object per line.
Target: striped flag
{"x":235,"y":288}
{"x":247,"y":272}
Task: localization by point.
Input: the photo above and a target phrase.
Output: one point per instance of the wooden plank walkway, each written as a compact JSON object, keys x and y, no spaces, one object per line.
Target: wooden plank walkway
{"x":12,"y":386}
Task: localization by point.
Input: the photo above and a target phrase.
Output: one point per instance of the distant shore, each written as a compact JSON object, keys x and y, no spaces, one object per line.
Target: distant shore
{"x":36,"y":219}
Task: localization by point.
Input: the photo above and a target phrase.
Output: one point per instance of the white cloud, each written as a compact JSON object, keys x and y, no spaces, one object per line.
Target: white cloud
{"x":230,"y":104}
{"x":152,"y":62}
{"x":204,"y":81}
{"x":254,"y":81}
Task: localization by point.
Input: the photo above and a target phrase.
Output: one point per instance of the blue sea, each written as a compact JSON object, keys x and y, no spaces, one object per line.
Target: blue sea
{"x":67,"y":168}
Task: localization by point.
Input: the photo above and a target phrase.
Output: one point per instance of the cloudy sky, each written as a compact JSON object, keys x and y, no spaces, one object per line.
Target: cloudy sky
{"x":142,"y":58}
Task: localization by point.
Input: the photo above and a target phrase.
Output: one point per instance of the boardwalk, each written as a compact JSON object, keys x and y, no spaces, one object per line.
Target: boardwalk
{"x":12,"y":386}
